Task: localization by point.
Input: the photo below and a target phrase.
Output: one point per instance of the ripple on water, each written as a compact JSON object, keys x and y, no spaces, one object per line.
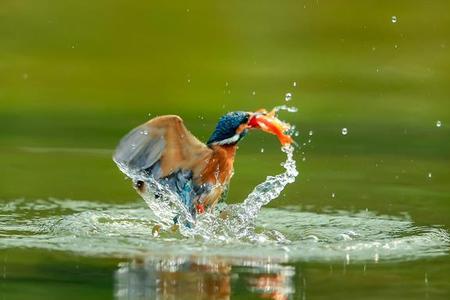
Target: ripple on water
{"x":99,"y":229}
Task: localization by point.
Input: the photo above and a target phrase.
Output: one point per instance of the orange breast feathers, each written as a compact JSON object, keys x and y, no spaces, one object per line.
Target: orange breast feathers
{"x":218,"y":172}
{"x":219,"y":168}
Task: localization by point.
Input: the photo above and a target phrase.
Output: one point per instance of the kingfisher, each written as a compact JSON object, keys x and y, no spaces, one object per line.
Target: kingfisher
{"x":164,"y":150}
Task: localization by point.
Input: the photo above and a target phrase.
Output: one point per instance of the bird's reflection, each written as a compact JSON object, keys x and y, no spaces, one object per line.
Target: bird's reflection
{"x":203,"y":278}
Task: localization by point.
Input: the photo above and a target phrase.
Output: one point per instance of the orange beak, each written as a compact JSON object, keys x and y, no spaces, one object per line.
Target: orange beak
{"x":268,"y":122}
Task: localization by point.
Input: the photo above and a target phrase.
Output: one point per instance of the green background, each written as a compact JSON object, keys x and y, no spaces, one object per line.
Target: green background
{"x":75,"y":76}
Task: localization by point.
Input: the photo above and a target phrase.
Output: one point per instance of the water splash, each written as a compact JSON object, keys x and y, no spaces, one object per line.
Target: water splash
{"x":124,"y":230}
{"x":226,"y":222}
{"x":245,"y":213}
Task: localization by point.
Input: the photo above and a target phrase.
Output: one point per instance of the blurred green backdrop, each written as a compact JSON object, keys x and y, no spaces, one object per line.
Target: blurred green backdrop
{"x":76,"y":76}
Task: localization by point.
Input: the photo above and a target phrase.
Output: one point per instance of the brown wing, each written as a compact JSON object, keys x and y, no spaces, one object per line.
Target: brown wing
{"x":165,"y":140}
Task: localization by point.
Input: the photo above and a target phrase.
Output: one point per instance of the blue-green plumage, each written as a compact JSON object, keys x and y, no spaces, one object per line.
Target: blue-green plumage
{"x":227,"y":125}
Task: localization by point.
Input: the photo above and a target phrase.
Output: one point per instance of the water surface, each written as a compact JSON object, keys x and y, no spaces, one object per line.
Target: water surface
{"x":367,"y":218}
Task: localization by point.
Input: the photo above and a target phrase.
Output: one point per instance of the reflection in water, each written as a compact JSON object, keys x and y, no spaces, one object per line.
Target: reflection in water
{"x":202,"y":278}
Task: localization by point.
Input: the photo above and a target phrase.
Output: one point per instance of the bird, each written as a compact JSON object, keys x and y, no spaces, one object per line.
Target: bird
{"x":164,"y":150}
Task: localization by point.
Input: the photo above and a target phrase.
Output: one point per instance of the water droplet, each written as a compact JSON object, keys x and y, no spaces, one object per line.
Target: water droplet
{"x":429,"y":175}
{"x":155,"y":230}
{"x":394,"y":19}
{"x":262,"y":150}
{"x":226,"y":83}
{"x":294,"y":84}
{"x":149,"y":114}
{"x":291,"y":109}
{"x":345,"y":237}
{"x":344,"y":131}
{"x":311,"y":133}
{"x":253,"y":93}
{"x":189,"y":81}
{"x":395,"y":46}
{"x":333,"y":195}
{"x":312,"y":237}
{"x":297,"y":133}
{"x":288,"y":97}
{"x":438,"y":123}
{"x":188,"y":10}
{"x":304,"y":159}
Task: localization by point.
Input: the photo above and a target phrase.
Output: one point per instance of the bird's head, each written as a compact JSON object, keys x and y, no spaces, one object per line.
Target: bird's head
{"x":233,"y":126}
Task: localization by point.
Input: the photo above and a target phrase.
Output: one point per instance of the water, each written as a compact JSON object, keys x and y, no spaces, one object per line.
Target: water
{"x":285,"y":235}
{"x":288,"y":97}
{"x":124,"y":231}
{"x":72,"y":227}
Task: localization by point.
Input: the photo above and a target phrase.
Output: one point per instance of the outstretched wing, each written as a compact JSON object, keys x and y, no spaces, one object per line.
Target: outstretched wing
{"x":163,"y":141}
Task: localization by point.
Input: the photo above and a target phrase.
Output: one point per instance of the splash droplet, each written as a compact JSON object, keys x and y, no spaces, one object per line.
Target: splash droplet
{"x":288,"y":97}
{"x":344,"y":131}
{"x":333,"y":195}
{"x":311,"y":133}
{"x":394,"y":19}
{"x":253,"y":93}
{"x":262,"y":150}
{"x":429,"y":175}
{"x":294,"y":84}
{"x":438,"y":123}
